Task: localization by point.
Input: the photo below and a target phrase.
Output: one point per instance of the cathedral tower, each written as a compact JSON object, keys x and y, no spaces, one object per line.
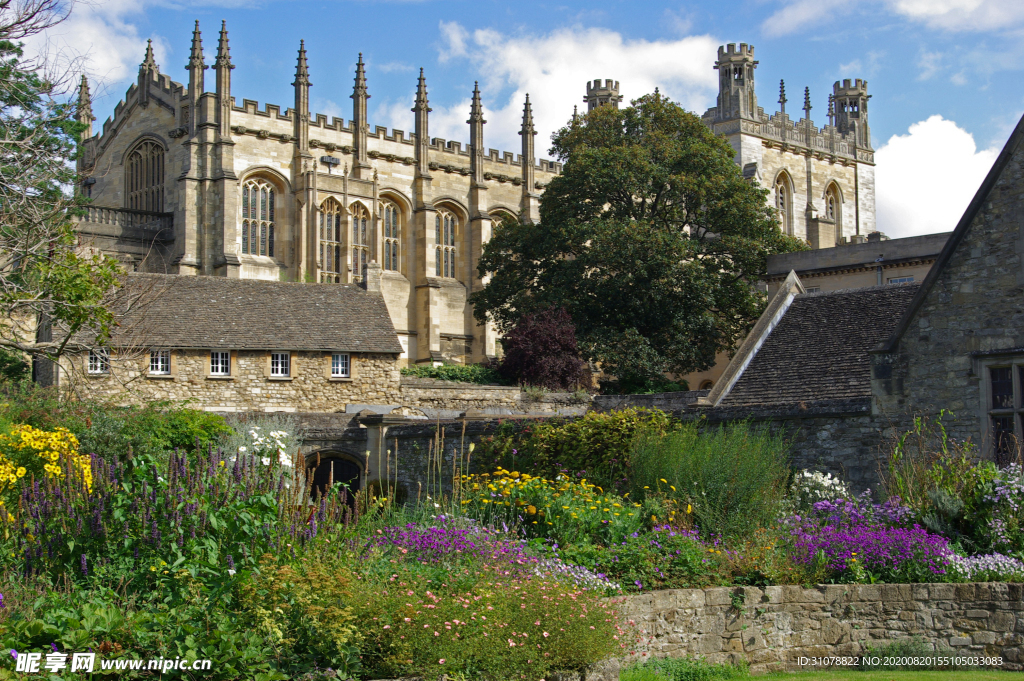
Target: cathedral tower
{"x":602,"y":95}
{"x":851,"y":102}
{"x":736,"y":97}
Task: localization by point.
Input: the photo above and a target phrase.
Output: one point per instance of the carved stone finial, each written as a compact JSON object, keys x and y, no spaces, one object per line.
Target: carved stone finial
{"x":421,"y":94}
{"x":223,"y":50}
{"x":149,"y":62}
{"x":807,"y":101}
{"x":527,"y":119}
{"x":476,"y":109}
{"x":301,"y":68}
{"x":84,"y":102}
{"x":782,"y":96}
{"x":360,"y":88}
{"x":195,"y":60}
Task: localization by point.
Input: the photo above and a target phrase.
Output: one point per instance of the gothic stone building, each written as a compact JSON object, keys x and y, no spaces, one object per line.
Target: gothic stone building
{"x":842,"y":370}
{"x":186,"y":181}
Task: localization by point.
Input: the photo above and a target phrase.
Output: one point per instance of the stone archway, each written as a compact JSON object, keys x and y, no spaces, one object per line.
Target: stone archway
{"x":344,"y":470}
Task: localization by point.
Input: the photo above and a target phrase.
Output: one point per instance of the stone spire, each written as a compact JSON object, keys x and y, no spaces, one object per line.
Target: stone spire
{"x":831,"y":109}
{"x":476,"y":136}
{"x":302,"y":84}
{"x":422,"y":111}
{"x":222,"y":69}
{"x":362,"y":127}
{"x":196,"y":66}
{"x":84,"y":112}
{"x":148,"y":72}
{"x":528,"y":203}
{"x":575,"y":113}
{"x":782,"y":96}
{"x":807,"y":103}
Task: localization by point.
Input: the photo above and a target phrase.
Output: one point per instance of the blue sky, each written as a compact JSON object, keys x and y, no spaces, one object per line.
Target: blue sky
{"x":945,"y":76}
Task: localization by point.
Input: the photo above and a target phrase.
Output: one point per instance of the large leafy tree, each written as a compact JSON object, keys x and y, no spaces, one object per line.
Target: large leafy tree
{"x":650,"y":238}
{"x":42,"y":272}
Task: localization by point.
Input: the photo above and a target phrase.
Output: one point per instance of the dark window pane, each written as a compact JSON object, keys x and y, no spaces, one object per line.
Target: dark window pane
{"x":270,"y":242}
{"x":1004,"y":442}
{"x":245,"y":237}
{"x":1002,"y":388}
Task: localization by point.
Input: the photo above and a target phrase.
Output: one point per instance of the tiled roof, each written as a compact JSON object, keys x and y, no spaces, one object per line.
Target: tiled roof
{"x":819,"y":349}
{"x":215,"y":312}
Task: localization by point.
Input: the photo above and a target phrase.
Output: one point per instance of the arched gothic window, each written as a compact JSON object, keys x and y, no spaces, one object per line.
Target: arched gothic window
{"x":258,"y":197}
{"x":330,"y":241}
{"x":446,"y":225}
{"x":145,"y":177}
{"x":392,"y":236}
{"x":832,"y":203}
{"x":360,"y":240}
{"x":783,"y":202}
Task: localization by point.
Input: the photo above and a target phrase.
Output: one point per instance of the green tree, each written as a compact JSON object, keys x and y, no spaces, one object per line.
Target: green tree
{"x":42,"y":271}
{"x":650,"y":238}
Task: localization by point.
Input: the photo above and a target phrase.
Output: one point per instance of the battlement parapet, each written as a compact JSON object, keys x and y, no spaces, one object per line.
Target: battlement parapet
{"x":730,"y":53}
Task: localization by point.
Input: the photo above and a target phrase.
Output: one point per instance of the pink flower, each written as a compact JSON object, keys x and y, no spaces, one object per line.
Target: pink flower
{"x":438,"y":634}
{"x":387,"y":626}
{"x":546,"y":634}
{"x":441,"y":661}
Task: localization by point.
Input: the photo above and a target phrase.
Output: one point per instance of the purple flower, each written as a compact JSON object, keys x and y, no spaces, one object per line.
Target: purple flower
{"x":14,"y":653}
{"x":231,"y":562}
{"x":85,"y":568}
{"x":54,"y":646}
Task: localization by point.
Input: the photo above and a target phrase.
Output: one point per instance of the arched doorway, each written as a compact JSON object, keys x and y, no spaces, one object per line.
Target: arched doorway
{"x":345,"y":471}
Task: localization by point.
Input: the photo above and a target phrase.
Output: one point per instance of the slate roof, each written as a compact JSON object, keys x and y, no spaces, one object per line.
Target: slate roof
{"x":819,"y":349}
{"x":246,"y":314}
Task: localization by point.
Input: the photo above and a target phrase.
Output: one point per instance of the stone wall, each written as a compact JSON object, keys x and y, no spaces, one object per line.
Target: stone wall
{"x":452,"y":398}
{"x":772,"y":628}
{"x":665,"y":401}
{"x":375,"y":379}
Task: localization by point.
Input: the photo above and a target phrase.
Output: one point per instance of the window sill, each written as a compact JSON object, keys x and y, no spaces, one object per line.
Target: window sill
{"x":100,"y":374}
{"x":220,"y":378}
{"x":340,"y":379}
{"x":161,"y":377}
{"x":279,"y":378}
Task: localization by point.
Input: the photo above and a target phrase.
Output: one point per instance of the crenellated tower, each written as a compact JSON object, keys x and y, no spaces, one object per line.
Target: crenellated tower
{"x":851,"y":101}
{"x":736,"y":96}
{"x":602,"y":95}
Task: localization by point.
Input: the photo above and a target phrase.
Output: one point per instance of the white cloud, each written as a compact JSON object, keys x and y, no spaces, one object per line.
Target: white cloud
{"x":554,"y":70}
{"x":799,"y":14}
{"x":930,"y":63}
{"x":925,"y":179}
{"x":962,"y":15}
{"x":100,"y":38}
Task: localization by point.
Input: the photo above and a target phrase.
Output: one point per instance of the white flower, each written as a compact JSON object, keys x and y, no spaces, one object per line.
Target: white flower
{"x":265,"y":460}
{"x":231,"y":572}
{"x":241,"y":449}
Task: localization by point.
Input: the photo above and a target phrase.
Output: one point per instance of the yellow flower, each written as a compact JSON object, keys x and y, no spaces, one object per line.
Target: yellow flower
{"x":532,"y":510}
{"x":21,"y":471}
{"x":664,"y":481}
{"x":689,"y":509}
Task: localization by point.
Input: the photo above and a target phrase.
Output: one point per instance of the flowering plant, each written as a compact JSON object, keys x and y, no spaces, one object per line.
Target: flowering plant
{"x":810,"y":487}
{"x":560,"y":509}
{"x":994,"y":567}
{"x":27,"y":451}
{"x":1005,"y":523}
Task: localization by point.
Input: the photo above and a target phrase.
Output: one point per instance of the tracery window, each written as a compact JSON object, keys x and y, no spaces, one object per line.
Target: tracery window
{"x":832,"y":203}
{"x":258,"y":197}
{"x":392,"y":235}
{"x":783,"y":201}
{"x":330,"y":241}
{"x":446,"y":225}
{"x":145,"y":177}
{"x":360,"y":240}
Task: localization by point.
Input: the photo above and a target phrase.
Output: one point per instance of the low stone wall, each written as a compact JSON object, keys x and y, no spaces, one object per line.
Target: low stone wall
{"x":449,"y":399}
{"x":664,"y":401}
{"x":772,"y":628}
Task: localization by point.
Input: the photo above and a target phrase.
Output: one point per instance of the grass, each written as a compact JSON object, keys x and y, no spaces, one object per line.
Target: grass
{"x":853,"y":675}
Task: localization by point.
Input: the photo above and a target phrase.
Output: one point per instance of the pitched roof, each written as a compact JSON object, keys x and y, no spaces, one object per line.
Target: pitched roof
{"x":215,"y":312}
{"x":977,"y":203}
{"x":818,"y":349}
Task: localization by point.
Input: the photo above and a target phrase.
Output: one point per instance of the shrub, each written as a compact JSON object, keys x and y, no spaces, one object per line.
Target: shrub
{"x":13,"y":366}
{"x":463,"y":373}
{"x":595,"y":446}
{"x":733,"y":477}
{"x":498,"y":628}
{"x":560,"y":509}
{"x":810,"y":487}
{"x":541,"y":350}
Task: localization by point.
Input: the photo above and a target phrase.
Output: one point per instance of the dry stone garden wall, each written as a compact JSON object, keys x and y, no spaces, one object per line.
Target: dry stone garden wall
{"x":773,"y":628}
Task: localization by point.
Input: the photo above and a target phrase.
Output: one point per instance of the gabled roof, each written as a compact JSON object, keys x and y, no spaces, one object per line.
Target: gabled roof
{"x":246,"y":314}
{"x":962,"y":227}
{"x":816,"y":349}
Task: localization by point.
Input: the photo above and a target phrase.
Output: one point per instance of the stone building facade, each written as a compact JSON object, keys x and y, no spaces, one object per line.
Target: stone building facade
{"x":186,"y":181}
{"x":822,"y":180}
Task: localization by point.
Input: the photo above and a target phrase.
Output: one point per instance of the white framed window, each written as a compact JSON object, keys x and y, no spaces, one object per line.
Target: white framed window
{"x":160,"y":362}
{"x":220,"y":363}
{"x":812,"y":289}
{"x":99,"y":361}
{"x":280,"y":364}
{"x":901,"y":280}
{"x":341,"y":365}
{"x":1004,"y":383}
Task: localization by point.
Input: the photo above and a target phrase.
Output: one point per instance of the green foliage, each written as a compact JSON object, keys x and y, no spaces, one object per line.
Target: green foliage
{"x":650,"y":238}
{"x":13,"y":366}
{"x":488,"y":630}
{"x":42,"y":271}
{"x":681,"y":669}
{"x":463,"y":373}
{"x":733,"y":476}
{"x":595,"y":446}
